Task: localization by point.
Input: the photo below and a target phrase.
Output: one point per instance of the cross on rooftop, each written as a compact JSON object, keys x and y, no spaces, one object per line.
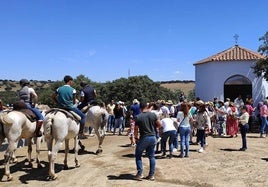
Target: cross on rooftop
{"x":236,"y":36}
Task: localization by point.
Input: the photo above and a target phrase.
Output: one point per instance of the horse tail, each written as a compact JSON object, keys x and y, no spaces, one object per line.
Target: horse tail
{"x":104,"y":118}
{"x":4,"y":120}
{"x":48,"y":125}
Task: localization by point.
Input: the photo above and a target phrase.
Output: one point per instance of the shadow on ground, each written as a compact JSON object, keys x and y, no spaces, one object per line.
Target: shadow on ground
{"x":121,"y":177}
{"x":229,"y":149}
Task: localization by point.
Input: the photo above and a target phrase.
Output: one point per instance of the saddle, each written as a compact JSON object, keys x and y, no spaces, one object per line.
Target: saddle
{"x":22,"y":107}
{"x":86,"y":108}
{"x":68,"y":113}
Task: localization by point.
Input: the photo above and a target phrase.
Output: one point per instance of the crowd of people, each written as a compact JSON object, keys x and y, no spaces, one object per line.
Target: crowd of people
{"x":162,"y":123}
{"x":154,"y":125}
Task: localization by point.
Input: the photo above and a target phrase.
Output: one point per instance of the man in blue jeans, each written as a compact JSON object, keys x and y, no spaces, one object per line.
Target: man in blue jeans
{"x":146,"y":122}
{"x":65,"y":97}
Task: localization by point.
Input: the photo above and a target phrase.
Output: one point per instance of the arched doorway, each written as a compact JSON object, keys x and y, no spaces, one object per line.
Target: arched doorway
{"x":235,"y":85}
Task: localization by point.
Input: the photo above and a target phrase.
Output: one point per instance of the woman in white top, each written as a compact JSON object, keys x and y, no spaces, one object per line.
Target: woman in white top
{"x":169,"y":131}
{"x":184,"y":119}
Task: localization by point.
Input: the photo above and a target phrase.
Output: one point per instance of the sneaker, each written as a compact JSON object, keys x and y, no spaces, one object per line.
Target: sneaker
{"x":150,"y":178}
{"x":181,"y":156}
{"x":133,"y":145}
{"x":186,"y":156}
{"x":242,"y":149}
{"x":138,"y":177}
{"x":201,"y":150}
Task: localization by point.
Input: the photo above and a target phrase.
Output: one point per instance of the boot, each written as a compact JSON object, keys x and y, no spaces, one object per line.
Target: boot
{"x":39,"y":123}
{"x":81,"y":132}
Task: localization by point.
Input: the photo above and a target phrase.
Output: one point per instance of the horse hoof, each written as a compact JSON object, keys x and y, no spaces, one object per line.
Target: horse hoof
{"x":82,"y":147}
{"x":65,"y":167}
{"x":9,"y":178}
{"x":49,"y":178}
{"x":77,"y":165}
{"x":13,"y":161}
{"x":39,"y":166}
{"x":30,"y":165}
{"x":99,"y":151}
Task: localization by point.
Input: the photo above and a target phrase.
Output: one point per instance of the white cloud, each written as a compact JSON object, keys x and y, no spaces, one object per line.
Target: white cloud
{"x":92,"y":52}
{"x":178,"y":72}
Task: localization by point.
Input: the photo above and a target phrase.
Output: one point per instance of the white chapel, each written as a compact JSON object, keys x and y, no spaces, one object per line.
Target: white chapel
{"x":228,"y":74}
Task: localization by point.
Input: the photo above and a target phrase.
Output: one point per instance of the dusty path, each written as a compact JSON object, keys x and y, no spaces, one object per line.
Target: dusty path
{"x":220,"y":165}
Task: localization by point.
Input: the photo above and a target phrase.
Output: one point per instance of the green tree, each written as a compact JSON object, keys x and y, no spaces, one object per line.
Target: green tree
{"x":124,"y":89}
{"x":191,"y":95}
{"x":139,"y":87}
{"x":261,"y":67}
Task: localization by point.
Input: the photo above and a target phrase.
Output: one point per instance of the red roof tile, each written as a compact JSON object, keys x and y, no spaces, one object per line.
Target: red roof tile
{"x":235,"y":53}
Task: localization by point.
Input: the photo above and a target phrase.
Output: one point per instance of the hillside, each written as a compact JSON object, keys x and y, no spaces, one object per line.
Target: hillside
{"x":181,"y":85}
{"x":11,"y":85}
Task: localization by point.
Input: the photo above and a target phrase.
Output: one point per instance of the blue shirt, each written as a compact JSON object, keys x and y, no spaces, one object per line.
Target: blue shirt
{"x":136,"y":109}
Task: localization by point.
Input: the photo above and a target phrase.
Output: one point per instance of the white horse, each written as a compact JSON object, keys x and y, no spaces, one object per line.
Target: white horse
{"x":59,"y":127}
{"x":14,"y":126}
{"x":96,"y":117}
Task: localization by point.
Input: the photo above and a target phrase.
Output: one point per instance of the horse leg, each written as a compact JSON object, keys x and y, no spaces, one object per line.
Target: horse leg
{"x":76,"y":152}
{"x":38,"y":145}
{"x":9,"y":152}
{"x":100,"y":138}
{"x":66,"y":154}
{"x":81,"y":145}
{"x":13,"y":158}
{"x":30,"y":149}
{"x":52,"y":157}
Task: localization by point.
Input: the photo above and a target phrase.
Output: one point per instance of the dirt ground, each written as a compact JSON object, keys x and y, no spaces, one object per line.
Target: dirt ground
{"x":220,"y":165}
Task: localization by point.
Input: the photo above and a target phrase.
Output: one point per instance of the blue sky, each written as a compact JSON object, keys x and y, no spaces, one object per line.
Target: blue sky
{"x":108,"y":39}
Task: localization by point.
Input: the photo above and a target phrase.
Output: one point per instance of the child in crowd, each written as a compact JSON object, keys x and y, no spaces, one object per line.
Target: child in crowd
{"x":130,"y":131}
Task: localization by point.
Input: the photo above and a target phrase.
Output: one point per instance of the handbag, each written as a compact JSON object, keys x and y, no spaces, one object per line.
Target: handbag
{"x":180,"y":124}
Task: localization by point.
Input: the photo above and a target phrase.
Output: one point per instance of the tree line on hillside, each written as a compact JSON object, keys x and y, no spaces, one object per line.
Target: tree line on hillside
{"x":177,"y":81}
{"x":123,"y":89}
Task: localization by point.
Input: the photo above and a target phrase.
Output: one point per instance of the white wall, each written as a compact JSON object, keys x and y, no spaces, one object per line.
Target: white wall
{"x":210,"y":78}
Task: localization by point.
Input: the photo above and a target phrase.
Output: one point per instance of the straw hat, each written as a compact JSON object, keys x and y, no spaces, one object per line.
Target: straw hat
{"x":169,"y":102}
{"x":209,"y":103}
{"x":135,"y":101}
{"x":221,"y":101}
{"x":199,"y":102}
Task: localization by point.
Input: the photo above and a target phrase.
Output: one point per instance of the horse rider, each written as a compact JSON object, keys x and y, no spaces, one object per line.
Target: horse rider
{"x":87,"y":95}
{"x":65,"y":96}
{"x":29,"y":96}
{"x":87,"y":98}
